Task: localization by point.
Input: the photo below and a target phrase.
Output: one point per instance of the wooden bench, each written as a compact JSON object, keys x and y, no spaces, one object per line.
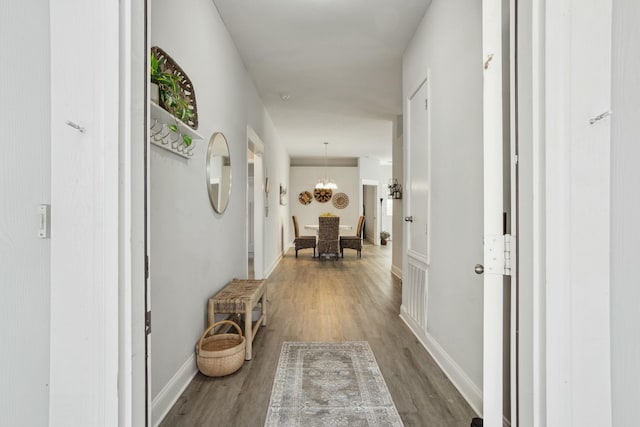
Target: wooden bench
{"x":241,"y":297}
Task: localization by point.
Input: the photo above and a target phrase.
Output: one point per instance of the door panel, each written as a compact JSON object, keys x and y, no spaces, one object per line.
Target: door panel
{"x":415,"y":284}
{"x":418,"y":173}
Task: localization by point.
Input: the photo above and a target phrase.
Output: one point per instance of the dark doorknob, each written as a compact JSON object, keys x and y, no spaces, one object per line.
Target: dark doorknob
{"x":479,"y":268}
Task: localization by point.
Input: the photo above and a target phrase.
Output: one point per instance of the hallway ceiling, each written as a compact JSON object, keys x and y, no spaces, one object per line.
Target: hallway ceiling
{"x":339,"y":62}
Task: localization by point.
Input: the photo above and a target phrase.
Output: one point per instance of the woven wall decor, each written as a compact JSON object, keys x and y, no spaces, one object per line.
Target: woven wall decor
{"x":322,"y":195}
{"x":185,"y":87}
{"x":305,"y":198}
{"x":340,"y":200}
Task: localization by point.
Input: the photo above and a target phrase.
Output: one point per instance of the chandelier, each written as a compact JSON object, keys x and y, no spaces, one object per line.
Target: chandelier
{"x":326,"y":183}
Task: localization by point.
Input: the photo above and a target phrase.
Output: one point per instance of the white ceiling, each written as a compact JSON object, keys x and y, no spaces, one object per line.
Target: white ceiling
{"x":339,"y":61}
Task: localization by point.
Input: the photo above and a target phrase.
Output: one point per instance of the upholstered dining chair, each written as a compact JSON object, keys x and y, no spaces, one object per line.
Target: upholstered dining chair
{"x":353,"y":242}
{"x":302,"y":242}
{"x":328,"y":235}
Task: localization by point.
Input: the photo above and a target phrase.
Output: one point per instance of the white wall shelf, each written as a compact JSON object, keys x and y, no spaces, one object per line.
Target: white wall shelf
{"x":163,"y":137}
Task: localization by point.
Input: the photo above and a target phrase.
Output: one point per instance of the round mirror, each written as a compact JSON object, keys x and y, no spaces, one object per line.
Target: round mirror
{"x":218,"y":172}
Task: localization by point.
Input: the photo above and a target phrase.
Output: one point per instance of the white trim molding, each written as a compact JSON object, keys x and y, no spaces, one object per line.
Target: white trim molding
{"x":169,"y":395}
{"x":273,"y":266}
{"x":469,"y":390}
{"x":396,"y":271}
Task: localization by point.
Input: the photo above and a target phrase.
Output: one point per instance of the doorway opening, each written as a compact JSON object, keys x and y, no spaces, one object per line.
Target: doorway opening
{"x":371,"y":212}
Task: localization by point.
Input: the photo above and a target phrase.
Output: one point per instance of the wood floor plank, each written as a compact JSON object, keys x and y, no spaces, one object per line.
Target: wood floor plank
{"x":350,"y":299}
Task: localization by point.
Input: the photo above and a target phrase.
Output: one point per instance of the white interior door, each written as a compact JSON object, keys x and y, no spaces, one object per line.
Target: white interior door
{"x":416,"y":228}
{"x":577,"y":125}
{"x":88,"y":288}
{"x":417,"y":175}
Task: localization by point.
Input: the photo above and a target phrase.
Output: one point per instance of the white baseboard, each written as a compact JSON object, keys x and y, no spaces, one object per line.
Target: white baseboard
{"x":165,"y":400}
{"x":396,"y":271}
{"x":273,"y":266}
{"x":469,"y":390}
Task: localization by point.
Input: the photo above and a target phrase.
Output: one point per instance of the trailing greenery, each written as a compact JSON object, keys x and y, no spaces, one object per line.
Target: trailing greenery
{"x":169,"y":86}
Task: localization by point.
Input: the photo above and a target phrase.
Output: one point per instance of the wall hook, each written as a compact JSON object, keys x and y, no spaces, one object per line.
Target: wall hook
{"x":600,"y":117}
{"x":75,"y":126}
{"x":489,"y":59}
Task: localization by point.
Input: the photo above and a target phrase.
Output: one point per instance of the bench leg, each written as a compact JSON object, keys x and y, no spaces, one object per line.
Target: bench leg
{"x":264,"y":309}
{"x":248,"y":331}
{"x":211,"y":315}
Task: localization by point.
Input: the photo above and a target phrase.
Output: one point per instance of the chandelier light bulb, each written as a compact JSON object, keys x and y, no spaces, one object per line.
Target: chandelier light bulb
{"x":326,"y":183}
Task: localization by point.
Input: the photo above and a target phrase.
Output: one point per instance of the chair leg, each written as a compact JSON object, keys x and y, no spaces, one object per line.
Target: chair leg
{"x":296,"y":253}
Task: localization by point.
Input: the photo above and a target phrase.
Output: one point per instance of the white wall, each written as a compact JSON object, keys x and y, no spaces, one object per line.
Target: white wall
{"x":448,"y":43}
{"x":276,"y":161}
{"x":305,"y":178}
{"x":194,"y":251}
{"x":625,"y":212}
{"x":25,"y":171}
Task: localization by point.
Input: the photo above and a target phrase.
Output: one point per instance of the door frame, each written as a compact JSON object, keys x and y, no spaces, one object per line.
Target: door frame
{"x":255,"y":145}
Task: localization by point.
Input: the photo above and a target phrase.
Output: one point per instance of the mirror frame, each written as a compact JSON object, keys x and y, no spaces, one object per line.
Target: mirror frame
{"x":217,"y":137}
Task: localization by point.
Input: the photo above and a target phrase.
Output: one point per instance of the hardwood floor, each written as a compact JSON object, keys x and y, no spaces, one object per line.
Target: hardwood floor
{"x":349,"y":299}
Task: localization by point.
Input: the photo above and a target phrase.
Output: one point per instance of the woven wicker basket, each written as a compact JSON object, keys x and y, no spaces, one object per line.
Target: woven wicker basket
{"x":222,"y":354}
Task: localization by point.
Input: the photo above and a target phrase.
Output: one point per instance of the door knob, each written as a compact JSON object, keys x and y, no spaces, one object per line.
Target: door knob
{"x":479,"y":269}
{"x":408,"y":218}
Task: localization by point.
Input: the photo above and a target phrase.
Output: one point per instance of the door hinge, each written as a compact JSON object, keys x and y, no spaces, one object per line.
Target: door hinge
{"x":147,"y":323}
{"x":498,"y":254}
{"x":146,"y":266}
{"x":426,"y":104}
{"x":508,"y":252}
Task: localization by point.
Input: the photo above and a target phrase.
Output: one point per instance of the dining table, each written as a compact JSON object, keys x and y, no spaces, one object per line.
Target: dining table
{"x":316,"y":227}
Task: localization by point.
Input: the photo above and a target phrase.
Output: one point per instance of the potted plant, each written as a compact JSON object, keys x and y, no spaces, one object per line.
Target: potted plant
{"x":384,"y":235}
{"x":165,"y":90}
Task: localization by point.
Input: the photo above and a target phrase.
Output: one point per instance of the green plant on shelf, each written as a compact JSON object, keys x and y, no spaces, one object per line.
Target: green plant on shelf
{"x":185,"y":138}
{"x":170,"y":98}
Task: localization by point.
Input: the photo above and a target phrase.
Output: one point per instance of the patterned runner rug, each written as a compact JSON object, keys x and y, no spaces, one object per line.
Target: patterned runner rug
{"x":330,"y":384}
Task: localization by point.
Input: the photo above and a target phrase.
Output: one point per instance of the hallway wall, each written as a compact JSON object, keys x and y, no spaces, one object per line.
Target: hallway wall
{"x":195,"y":251}
{"x":276,"y":160}
{"x":448,"y":45}
{"x":25,"y":174}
